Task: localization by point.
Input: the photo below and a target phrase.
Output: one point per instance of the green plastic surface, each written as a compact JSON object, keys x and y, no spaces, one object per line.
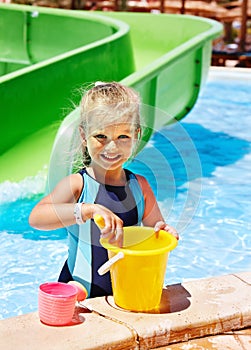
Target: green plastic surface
{"x":46,"y":55}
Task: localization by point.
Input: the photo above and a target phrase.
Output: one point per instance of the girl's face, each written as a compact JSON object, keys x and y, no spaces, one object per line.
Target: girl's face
{"x":111,"y":145}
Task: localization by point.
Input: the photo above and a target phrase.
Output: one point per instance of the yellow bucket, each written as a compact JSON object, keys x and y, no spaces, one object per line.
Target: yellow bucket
{"x":138,"y":278}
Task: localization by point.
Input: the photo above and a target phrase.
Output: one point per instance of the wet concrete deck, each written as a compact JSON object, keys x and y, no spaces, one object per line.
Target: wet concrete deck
{"x":213,"y":313}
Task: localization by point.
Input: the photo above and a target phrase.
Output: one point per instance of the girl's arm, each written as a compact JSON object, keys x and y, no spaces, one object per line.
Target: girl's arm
{"x":152,"y":214}
{"x":56,"y":210}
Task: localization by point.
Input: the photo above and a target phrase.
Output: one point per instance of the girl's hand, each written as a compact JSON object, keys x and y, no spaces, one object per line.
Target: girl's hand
{"x":161,"y":225}
{"x":112,"y":226}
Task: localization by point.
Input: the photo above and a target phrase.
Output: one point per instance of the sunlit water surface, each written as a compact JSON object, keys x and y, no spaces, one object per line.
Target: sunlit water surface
{"x":200,"y":170}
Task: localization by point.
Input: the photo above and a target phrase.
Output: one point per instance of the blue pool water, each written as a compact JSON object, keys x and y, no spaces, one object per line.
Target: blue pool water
{"x":200,"y":170}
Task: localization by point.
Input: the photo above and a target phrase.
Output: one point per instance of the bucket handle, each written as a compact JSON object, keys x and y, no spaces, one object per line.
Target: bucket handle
{"x":107,"y":265}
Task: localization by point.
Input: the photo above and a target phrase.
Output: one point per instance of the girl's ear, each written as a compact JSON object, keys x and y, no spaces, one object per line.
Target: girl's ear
{"x":82,"y":134}
{"x":138,"y":134}
{"x":136,"y":142}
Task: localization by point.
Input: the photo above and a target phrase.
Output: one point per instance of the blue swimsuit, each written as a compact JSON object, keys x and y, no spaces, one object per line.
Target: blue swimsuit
{"x":86,"y":254}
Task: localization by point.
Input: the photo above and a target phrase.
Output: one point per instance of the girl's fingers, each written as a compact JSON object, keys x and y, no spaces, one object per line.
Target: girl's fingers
{"x":112,"y":230}
{"x":107,"y":235}
{"x":118,"y":237}
{"x":172,"y":230}
{"x":161,"y":225}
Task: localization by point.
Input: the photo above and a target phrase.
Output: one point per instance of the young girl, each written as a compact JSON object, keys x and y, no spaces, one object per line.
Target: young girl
{"x":110,"y":130}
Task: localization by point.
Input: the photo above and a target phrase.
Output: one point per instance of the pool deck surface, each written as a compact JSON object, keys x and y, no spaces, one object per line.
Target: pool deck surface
{"x":212,"y":313}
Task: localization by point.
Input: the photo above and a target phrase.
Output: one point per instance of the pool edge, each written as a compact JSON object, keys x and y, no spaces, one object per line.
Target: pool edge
{"x":198,"y":308}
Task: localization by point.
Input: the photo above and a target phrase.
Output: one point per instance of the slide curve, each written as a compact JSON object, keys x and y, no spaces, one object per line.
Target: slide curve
{"x":46,"y":55}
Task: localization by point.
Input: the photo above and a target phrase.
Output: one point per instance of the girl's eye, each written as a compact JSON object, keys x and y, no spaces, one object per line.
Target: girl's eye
{"x":123,"y":137}
{"x":100,"y":137}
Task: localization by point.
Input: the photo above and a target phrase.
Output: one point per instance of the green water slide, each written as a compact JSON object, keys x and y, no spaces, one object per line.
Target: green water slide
{"x":46,"y":55}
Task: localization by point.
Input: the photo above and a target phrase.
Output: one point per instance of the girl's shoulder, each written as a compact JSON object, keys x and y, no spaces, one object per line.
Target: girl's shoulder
{"x":68,"y":188}
{"x":75,"y":177}
{"x":71,"y":180}
{"x":76,"y":183}
{"x":145,"y":186}
{"x":142,"y":182}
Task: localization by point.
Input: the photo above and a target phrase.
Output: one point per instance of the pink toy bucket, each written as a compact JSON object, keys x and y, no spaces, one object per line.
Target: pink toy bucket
{"x":56,"y":303}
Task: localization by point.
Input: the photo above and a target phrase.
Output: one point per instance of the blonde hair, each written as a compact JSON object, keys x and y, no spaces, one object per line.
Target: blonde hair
{"x":113,"y":103}
{"x":110,"y":100}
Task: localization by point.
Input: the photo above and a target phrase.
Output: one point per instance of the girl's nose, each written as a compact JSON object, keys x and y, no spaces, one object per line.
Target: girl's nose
{"x":111,"y":145}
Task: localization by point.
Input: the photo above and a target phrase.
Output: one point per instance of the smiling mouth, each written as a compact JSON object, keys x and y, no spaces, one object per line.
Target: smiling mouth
{"x":110,"y":157}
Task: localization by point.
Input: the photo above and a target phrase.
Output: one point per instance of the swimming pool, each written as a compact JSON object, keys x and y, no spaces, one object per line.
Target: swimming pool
{"x":203,"y":188}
